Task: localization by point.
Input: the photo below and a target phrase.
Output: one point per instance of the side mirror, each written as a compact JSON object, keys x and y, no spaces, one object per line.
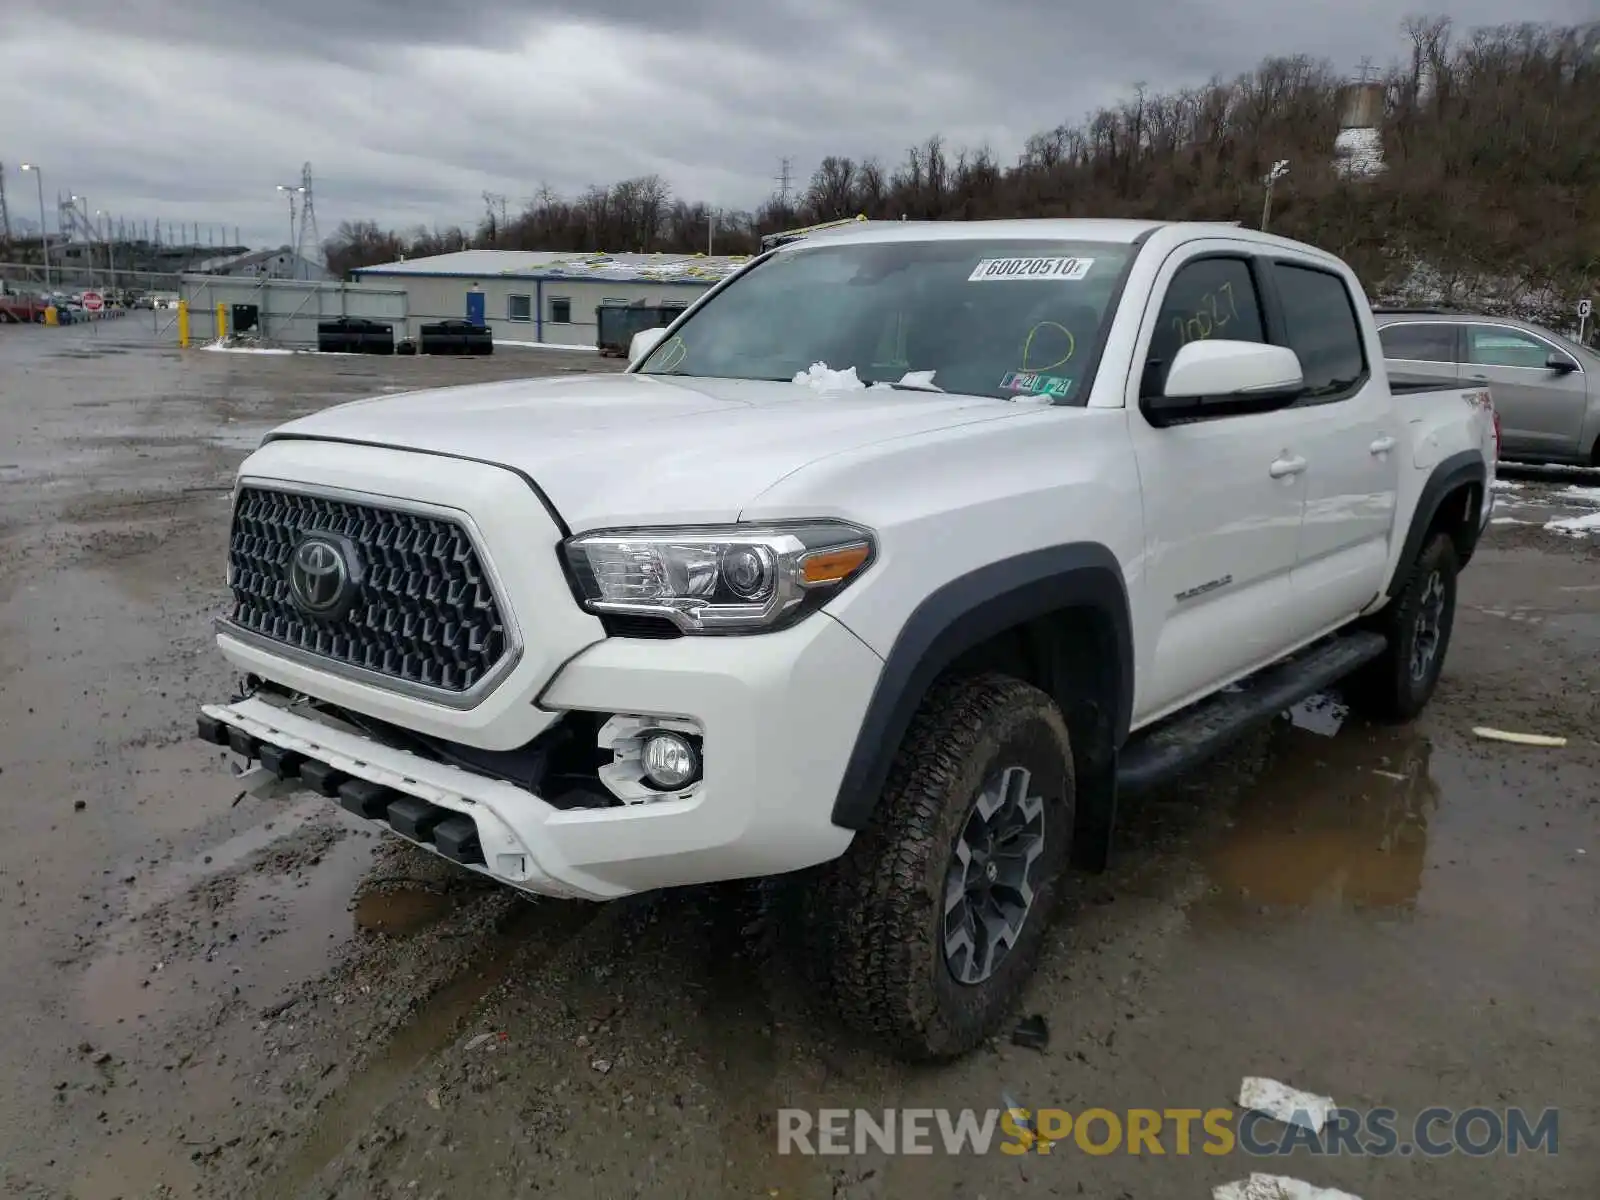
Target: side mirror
{"x":1560,"y":364}
{"x":1221,"y":378}
{"x":643,"y":342}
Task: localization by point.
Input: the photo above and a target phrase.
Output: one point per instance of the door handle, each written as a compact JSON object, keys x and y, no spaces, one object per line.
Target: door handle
{"x":1478,"y":378}
{"x":1383,"y":445}
{"x":1282,"y":467}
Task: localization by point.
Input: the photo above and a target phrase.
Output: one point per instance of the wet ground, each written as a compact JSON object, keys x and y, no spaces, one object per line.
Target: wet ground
{"x":209,"y":995}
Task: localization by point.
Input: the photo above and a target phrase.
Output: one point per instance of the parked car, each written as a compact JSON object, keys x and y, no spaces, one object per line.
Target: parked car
{"x":885,"y":571}
{"x":18,"y":307}
{"x":1546,"y":387}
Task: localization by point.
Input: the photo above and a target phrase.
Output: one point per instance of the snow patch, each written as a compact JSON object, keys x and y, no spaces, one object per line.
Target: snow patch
{"x":225,"y":348}
{"x":1276,"y":1187}
{"x":1284,"y":1103}
{"x":1502,"y":485}
{"x":544,"y":346}
{"x":1581,"y":494}
{"x":1358,"y":153}
{"x":1575,"y":526}
{"x":820,"y":377}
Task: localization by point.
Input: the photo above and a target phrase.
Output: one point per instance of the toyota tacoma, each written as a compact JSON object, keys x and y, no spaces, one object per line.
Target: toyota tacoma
{"x":888,"y":568}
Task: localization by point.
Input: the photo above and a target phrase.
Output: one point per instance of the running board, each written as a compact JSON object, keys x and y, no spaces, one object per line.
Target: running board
{"x":1184,"y":741}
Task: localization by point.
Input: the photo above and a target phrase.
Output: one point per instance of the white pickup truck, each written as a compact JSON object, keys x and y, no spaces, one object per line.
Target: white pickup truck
{"x":889,"y":564}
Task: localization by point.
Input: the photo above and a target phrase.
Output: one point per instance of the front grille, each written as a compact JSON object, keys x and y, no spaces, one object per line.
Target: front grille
{"x":423,"y":613}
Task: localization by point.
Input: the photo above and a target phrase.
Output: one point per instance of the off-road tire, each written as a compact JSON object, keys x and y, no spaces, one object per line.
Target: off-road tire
{"x":873,"y":931}
{"x":1387,"y":689}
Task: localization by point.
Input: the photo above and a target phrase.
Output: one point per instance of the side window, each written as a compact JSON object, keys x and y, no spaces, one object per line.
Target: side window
{"x":519,"y":308}
{"x":1432,"y":342}
{"x":560,"y":310}
{"x":1496,"y":346}
{"x":1208,"y":298}
{"x":1320,"y":326}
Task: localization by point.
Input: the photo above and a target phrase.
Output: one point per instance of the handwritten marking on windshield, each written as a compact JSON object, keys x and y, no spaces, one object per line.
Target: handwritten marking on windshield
{"x":673,"y":354}
{"x":1027,"y":347}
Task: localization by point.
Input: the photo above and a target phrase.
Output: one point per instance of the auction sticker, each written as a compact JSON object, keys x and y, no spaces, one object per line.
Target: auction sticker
{"x":1055,"y":267}
{"x":1031,"y":383}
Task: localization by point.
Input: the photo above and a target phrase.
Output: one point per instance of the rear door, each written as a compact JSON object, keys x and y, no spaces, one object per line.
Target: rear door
{"x":1421,"y":351}
{"x":1353,"y":437}
{"x":1223,"y":496}
{"x":1541,"y":411}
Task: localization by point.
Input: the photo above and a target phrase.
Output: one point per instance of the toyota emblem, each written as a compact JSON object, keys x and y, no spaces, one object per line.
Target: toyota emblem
{"x":323,"y":575}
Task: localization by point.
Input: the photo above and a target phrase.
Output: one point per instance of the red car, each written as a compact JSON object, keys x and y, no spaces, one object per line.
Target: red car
{"x":20,"y":307}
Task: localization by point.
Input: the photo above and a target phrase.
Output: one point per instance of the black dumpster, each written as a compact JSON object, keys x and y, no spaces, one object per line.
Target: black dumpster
{"x":355,"y":335}
{"x":246,"y":319}
{"x":454,"y":337}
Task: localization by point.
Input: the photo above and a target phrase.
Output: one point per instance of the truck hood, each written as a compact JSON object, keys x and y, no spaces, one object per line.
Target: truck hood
{"x":621,"y":449}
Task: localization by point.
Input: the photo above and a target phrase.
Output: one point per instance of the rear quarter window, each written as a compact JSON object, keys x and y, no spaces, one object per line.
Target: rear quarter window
{"x":1320,"y":326}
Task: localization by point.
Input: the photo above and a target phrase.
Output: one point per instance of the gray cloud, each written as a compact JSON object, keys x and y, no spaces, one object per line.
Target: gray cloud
{"x":410,"y":109}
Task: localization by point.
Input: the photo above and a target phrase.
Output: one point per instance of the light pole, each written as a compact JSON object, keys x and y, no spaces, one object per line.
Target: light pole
{"x":111,"y":247}
{"x":1279,"y":170}
{"x":44,"y":230}
{"x":290,"y":190}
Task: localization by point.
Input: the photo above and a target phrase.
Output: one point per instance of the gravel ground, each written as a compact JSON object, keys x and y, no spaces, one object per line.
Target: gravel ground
{"x":218,"y":996}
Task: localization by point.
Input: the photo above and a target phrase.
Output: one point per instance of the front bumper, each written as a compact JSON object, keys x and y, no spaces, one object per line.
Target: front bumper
{"x":779,"y":711}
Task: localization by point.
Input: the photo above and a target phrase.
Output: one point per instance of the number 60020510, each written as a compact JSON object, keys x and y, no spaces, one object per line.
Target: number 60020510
{"x":1214,"y":312}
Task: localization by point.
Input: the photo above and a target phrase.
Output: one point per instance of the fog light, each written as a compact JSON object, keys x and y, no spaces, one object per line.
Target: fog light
{"x":670,"y":760}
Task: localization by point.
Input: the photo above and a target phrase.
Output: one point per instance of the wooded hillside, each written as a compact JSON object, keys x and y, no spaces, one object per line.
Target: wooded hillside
{"x":1490,"y":195}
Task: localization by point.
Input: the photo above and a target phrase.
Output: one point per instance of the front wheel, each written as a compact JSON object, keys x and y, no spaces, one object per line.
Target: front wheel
{"x":1418,"y":622}
{"x":928,"y":928}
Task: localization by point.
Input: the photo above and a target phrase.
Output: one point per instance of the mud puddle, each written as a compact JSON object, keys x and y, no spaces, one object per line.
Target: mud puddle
{"x":404,"y":912}
{"x":1336,"y":822}
{"x":268,"y":911}
{"x":528,"y":927}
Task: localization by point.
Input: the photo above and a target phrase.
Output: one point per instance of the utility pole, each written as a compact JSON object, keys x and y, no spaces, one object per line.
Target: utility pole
{"x":309,"y":244}
{"x":1279,"y":170}
{"x":5,"y":213}
{"x":711,"y":231}
{"x":784,"y":183}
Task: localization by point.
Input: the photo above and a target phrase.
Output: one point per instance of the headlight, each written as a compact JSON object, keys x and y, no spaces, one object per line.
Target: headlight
{"x":719,"y":580}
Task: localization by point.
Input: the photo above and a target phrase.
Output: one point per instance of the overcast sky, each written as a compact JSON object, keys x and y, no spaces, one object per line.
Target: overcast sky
{"x":408,"y":110}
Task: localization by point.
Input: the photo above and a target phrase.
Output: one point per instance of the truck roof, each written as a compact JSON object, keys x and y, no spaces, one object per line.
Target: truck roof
{"x":1087,"y":229}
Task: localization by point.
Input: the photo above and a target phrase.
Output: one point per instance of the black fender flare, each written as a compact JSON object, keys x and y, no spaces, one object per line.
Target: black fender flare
{"x":964,"y":613}
{"x":1464,"y":468}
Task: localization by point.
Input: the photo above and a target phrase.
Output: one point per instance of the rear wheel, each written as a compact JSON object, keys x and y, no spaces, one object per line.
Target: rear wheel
{"x":1418,"y":623}
{"x":926,"y":931}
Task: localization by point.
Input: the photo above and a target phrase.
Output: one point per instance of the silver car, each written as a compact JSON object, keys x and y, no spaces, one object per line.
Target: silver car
{"x":1546,"y":388}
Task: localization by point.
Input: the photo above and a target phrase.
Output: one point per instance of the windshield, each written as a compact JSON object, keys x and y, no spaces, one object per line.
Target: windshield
{"x":986,"y":317}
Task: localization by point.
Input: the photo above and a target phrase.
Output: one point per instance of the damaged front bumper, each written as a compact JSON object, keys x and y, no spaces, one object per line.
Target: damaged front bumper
{"x":468,"y":818}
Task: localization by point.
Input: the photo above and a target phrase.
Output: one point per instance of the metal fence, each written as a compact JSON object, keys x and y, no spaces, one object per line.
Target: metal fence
{"x":286,"y":311}
{"x":30,"y":277}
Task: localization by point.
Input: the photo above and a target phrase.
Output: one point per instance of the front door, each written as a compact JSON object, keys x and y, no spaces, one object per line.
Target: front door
{"x":1541,"y":411}
{"x":1223,"y":501}
{"x":475,"y":307}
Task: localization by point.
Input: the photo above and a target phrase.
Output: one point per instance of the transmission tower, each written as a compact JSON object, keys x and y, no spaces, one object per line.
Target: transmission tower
{"x":308,"y":243}
{"x":785,"y":183}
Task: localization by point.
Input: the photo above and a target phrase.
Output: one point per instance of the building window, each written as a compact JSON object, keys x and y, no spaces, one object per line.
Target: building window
{"x":519,"y":308}
{"x":560,"y":310}
{"x":614,"y":302}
